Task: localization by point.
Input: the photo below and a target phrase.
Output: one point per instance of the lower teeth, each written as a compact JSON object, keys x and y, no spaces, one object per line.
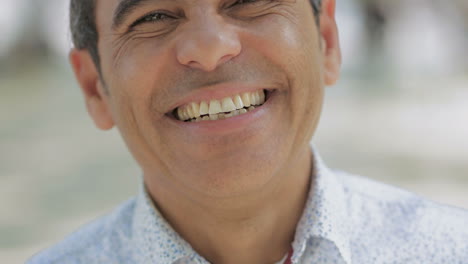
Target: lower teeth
{"x":222,"y":115}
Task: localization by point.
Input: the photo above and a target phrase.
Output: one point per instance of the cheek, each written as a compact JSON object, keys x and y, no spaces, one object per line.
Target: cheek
{"x":137,"y":70}
{"x":292,"y":46}
{"x":138,"y":63}
{"x":295,"y":48}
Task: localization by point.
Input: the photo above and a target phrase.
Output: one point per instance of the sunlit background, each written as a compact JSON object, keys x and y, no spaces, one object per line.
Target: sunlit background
{"x":398,"y":115}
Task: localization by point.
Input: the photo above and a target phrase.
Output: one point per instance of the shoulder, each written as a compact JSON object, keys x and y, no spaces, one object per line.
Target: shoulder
{"x":403,"y":222}
{"x":101,"y":241}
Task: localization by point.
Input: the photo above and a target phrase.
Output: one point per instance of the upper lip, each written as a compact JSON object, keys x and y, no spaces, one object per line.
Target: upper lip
{"x":215,"y":92}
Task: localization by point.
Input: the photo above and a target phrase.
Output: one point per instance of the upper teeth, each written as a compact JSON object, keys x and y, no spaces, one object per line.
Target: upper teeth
{"x":212,"y":110}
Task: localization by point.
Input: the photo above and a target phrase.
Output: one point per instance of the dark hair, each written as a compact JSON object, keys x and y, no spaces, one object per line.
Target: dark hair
{"x":83,"y":25}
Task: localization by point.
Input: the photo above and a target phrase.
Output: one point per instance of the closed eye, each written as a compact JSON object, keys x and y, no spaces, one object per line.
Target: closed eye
{"x":245,"y":2}
{"x":154,"y":17}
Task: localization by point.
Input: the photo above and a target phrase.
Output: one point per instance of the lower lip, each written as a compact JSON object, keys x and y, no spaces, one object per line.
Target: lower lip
{"x":228,"y":125}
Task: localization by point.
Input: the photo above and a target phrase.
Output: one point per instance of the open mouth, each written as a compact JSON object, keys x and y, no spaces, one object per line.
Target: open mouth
{"x":221,"y":109}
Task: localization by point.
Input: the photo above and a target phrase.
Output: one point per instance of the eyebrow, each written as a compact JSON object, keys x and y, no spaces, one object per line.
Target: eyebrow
{"x":124,"y":9}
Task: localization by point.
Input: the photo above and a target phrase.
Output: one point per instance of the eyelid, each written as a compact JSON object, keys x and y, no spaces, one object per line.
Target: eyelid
{"x":237,"y":2}
{"x":254,"y":3}
{"x":152,"y":13}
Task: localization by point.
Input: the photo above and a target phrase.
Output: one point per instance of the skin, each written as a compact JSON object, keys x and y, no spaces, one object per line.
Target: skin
{"x":246,"y":186}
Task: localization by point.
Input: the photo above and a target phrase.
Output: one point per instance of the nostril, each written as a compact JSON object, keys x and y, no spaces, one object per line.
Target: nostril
{"x":225,"y":59}
{"x":209,"y":66}
{"x":194,"y":64}
{"x":203,"y":67}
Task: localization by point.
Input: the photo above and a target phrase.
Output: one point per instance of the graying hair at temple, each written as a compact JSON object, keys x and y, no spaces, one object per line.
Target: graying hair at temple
{"x":83,"y":25}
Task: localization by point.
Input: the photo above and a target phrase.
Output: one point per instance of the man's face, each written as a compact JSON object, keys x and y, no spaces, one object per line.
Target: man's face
{"x":167,"y":55}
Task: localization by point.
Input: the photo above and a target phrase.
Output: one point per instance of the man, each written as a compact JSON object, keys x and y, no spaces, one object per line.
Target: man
{"x":217,"y":100}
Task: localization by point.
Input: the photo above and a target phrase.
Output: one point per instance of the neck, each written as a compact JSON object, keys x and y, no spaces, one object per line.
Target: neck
{"x":253,"y":228}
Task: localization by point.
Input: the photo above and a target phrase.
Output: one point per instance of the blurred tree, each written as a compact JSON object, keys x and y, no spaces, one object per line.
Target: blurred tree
{"x":379,"y":15}
{"x":32,"y":41}
{"x":376,"y":16}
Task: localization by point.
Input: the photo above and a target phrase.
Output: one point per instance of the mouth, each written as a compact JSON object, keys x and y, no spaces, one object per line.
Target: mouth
{"x":219,"y":109}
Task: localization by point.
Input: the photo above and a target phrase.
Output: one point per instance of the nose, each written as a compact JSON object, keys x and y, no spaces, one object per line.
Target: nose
{"x":207,"y":43}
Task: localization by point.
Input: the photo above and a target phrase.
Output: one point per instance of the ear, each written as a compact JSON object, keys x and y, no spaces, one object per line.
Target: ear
{"x":330,"y":42}
{"x":92,"y":87}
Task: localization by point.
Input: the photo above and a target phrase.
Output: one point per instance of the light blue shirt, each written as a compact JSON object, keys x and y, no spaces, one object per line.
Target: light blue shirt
{"x":347,"y":219}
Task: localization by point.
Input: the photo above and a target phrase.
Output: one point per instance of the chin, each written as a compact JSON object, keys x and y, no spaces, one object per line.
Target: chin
{"x":235,"y":174}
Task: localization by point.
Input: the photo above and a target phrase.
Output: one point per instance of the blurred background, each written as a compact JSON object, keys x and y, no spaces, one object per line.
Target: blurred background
{"x":398,"y":115}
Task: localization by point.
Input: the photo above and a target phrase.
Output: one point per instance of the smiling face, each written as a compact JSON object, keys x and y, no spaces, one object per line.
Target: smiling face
{"x":249,"y":75}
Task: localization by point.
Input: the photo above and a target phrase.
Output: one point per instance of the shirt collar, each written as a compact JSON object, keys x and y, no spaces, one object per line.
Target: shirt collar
{"x":325,"y":214}
{"x":156,"y":241}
